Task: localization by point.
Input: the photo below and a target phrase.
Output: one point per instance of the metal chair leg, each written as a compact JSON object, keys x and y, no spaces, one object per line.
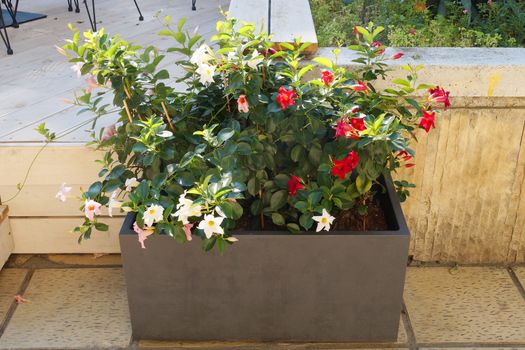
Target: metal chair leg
{"x":12,"y":10}
{"x":92,"y":20}
{"x":141,"y":18}
{"x":4,"y":36}
{"x":193,"y":5}
{"x":70,"y":5}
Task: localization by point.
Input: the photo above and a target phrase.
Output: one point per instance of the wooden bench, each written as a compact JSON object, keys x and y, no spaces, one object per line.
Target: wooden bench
{"x":285,"y":19}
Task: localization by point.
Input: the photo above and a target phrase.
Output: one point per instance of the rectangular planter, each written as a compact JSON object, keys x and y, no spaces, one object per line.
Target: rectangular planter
{"x":270,"y":286}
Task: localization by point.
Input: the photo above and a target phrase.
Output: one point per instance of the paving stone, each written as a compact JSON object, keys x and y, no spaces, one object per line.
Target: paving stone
{"x":10,"y":282}
{"x":71,"y":309}
{"x":86,"y":259}
{"x":476,"y":304}
{"x":174,"y":345}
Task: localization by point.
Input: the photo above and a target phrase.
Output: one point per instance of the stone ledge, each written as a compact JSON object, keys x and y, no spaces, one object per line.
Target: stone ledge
{"x":466,"y":72}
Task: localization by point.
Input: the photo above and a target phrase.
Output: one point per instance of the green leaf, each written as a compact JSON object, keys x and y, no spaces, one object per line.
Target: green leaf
{"x":363,"y":184}
{"x":278,"y":199}
{"x":306,"y":221}
{"x":294,"y":228}
{"x":278,"y":219}
{"x":207,"y":244}
{"x":225,"y":134}
{"x":244,"y":148}
{"x":301,"y":206}
{"x":296,"y":153}
{"x":304,"y":70}
{"x":232,"y":210}
{"x":94,"y":190}
{"x":401,"y":82}
{"x":101,"y":227}
{"x":281,"y":180}
{"x":324,"y":61}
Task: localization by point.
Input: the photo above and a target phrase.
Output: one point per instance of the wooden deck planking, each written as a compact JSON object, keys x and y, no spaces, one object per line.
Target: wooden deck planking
{"x":36,"y":80}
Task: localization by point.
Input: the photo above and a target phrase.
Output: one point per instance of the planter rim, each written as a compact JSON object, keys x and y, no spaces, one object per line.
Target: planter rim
{"x":401,"y":228}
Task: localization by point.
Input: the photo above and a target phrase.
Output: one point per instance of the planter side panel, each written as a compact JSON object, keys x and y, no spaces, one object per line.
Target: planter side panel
{"x":282,"y":287}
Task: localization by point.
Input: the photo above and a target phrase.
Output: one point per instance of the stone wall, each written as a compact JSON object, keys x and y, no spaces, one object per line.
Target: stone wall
{"x":469,"y":204}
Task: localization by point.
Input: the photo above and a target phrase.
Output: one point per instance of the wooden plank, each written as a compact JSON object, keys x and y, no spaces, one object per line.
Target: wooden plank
{"x":39,"y":200}
{"x":6,"y":238}
{"x":291,"y":20}
{"x":53,"y":166}
{"x":54,"y":236}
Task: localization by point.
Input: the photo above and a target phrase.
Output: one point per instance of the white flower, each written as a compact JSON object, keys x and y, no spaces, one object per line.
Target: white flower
{"x":186,"y":208}
{"x":324,"y":221}
{"x":255,"y":60}
{"x":77,"y":67}
{"x":232,"y":56}
{"x":153,"y":214}
{"x":131,"y":183}
{"x":165,"y":134}
{"x":206,"y":73}
{"x":63,"y":192}
{"x":211,"y":225}
{"x":201,"y":55}
{"x":113,"y":203}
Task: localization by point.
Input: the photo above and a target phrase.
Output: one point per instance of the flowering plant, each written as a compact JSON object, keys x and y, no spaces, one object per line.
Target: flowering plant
{"x":245,"y":140}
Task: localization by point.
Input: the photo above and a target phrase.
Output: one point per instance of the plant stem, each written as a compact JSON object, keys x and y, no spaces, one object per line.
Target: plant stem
{"x":167,"y":116}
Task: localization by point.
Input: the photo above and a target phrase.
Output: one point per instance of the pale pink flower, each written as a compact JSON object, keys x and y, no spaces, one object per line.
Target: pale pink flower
{"x":77,"y":67}
{"x":63,"y":192}
{"x":91,"y":208}
{"x":149,"y":92}
{"x":187,"y":231}
{"x":242,"y":104}
{"x":109,"y":132}
{"x":142,"y":234}
{"x":20,"y":300}
{"x":92,"y":84}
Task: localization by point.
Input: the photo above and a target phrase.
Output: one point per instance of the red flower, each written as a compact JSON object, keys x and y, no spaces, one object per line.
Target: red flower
{"x":294,"y":185}
{"x":438,"y":94}
{"x":285,"y":97}
{"x":346,"y":165}
{"x":356,"y":32}
{"x":327,"y":77}
{"x":343,"y":129}
{"x":354,"y":109}
{"x":398,"y":55}
{"x":360,"y":86}
{"x":412,"y":31}
{"x":427,"y":121}
{"x":270,"y":51}
{"x":406,"y":157}
{"x":358,"y":123}
{"x":378,"y":44}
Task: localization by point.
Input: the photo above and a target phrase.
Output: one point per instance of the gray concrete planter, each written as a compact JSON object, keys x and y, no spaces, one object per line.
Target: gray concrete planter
{"x":339,"y":286}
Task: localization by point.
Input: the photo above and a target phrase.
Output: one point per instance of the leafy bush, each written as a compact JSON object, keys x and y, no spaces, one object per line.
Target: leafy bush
{"x":247,"y":136}
{"x":424,"y":23}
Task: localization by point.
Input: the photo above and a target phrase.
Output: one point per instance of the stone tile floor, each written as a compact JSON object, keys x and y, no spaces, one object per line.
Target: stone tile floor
{"x":79,"y":302}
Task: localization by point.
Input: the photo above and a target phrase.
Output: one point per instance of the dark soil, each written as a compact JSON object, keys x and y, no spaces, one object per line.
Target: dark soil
{"x":348,"y":220}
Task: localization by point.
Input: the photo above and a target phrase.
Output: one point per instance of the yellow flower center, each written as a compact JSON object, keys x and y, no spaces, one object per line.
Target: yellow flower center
{"x":152,"y":211}
{"x":91,"y":207}
{"x":211,"y":223}
{"x":324,"y":220}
